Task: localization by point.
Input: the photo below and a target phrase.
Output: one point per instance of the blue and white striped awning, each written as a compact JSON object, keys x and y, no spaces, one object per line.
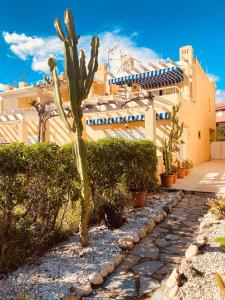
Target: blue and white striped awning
{"x":124,"y":119}
{"x":115,"y":120}
{"x":152,"y":79}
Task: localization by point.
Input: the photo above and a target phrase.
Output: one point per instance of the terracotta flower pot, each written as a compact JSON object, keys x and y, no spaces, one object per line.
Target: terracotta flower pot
{"x":167,"y":180}
{"x":174,"y":177}
{"x":181,"y":173}
{"x":188,"y":171}
{"x":139,"y":198}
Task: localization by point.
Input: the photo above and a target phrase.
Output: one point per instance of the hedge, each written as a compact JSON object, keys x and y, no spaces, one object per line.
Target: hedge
{"x":39,"y":183}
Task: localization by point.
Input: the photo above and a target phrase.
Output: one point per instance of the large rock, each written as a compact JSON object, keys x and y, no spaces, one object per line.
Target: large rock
{"x":191,"y":251}
{"x":95,"y":278}
{"x":126,"y":243}
{"x":147,"y":268}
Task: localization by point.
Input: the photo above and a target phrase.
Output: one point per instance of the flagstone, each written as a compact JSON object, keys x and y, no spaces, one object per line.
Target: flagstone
{"x":147,"y":268}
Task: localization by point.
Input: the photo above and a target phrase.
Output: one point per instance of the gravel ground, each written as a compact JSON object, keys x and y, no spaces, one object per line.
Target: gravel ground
{"x":68,"y":265}
{"x":211,"y":260}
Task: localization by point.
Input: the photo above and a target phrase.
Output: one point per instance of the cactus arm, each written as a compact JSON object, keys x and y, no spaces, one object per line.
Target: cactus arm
{"x":83,"y":71}
{"x":220,"y":284}
{"x":59,"y":30}
{"x":57,"y":96}
{"x":92,"y":66}
{"x":73,"y":41}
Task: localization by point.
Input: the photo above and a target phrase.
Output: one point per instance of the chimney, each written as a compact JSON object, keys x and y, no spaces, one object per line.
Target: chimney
{"x":187,"y":54}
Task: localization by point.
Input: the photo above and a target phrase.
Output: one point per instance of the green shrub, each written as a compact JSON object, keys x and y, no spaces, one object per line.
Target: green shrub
{"x":36,"y":183}
{"x":217,"y":207}
{"x":40,"y":189}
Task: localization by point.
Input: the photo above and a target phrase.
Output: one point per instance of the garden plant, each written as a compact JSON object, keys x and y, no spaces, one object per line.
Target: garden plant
{"x":79,"y":84}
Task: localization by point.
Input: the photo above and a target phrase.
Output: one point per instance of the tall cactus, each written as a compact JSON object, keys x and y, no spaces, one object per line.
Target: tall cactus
{"x":79,"y":84}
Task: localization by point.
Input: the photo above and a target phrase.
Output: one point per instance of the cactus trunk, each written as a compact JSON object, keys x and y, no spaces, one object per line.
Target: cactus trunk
{"x":80,"y":152}
{"x":79,"y":85}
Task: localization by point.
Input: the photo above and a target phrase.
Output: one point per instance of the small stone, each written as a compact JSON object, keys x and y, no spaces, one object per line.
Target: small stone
{"x":84,"y":290}
{"x":141,"y":232}
{"x":135,"y":237}
{"x":164,"y":214}
{"x":151,"y":225}
{"x":118,"y":259}
{"x":201,"y":240}
{"x":95,"y":278}
{"x":107,"y":268}
{"x":173,"y":280}
{"x":157,"y":219}
{"x":146,"y":229}
{"x":191,"y":251}
{"x":126,"y":243}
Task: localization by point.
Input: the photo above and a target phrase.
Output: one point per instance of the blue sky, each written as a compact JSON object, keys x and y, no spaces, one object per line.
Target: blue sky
{"x":148,"y":29}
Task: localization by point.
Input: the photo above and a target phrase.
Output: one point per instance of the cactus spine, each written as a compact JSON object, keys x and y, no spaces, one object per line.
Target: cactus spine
{"x":79,"y":84}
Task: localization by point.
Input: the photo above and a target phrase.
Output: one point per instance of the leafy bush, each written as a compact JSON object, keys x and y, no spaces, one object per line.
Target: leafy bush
{"x":40,"y":189}
{"x":36,"y":182}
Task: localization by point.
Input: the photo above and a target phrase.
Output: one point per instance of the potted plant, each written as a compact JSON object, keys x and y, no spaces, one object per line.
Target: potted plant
{"x":175,"y":173}
{"x":181,"y":170}
{"x":188,"y":165}
{"x":114,"y":208}
{"x":137,"y":180}
{"x":167,"y":177}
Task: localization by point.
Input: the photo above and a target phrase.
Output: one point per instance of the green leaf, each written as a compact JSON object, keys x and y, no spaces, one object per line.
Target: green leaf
{"x":221,"y":241}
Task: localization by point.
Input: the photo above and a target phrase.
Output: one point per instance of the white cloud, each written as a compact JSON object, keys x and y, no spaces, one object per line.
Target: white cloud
{"x":38,"y":49}
{"x":213,"y":77}
{"x":2,"y":87}
{"x":220,"y":95}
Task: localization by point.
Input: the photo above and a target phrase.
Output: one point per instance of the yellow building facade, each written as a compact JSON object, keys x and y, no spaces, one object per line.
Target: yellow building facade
{"x":136,"y":103}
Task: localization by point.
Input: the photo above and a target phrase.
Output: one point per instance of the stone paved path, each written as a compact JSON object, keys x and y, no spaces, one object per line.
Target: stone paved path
{"x":157,"y":254}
